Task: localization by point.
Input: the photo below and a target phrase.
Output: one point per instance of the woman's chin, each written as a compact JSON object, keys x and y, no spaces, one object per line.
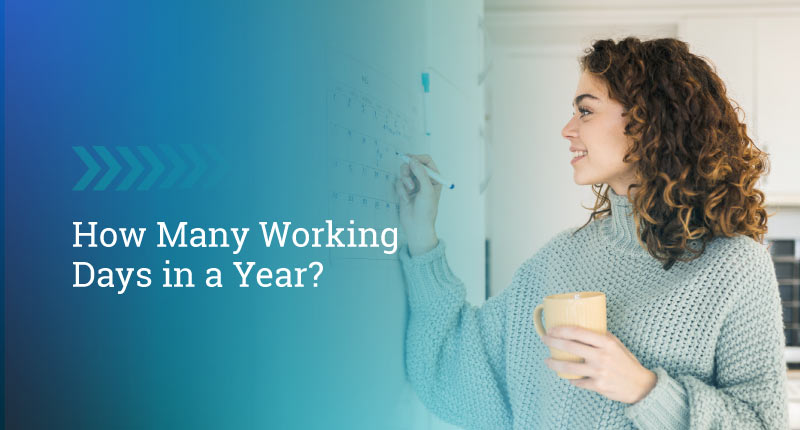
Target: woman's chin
{"x":579,"y":180}
{"x":582,"y":177}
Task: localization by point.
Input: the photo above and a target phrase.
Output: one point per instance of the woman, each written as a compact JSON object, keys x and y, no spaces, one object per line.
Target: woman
{"x":695,"y":337}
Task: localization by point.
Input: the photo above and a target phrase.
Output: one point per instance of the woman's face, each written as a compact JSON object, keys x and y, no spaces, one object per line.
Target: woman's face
{"x":598,"y":127}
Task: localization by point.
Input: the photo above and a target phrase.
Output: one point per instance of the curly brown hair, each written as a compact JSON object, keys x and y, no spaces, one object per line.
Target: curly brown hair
{"x":695,"y":166}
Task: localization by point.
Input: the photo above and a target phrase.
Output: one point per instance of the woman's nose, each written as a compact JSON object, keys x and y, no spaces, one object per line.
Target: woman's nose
{"x":570,"y":129}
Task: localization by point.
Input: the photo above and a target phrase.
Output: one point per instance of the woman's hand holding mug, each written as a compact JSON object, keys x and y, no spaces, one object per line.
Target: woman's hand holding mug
{"x":419,"y":203}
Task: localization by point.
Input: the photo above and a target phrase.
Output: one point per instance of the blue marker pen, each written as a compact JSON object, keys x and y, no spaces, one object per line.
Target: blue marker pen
{"x":426,"y":94}
{"x":435,"y":176}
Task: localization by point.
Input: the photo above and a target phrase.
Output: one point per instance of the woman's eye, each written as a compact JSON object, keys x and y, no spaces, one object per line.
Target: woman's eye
{"x":584,"y":112}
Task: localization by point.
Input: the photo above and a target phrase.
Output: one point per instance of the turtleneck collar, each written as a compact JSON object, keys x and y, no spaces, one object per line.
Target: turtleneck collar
{"x":620,"y":229}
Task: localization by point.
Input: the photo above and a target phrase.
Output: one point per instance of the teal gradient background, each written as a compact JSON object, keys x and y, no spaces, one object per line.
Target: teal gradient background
{"x":249,"y":80}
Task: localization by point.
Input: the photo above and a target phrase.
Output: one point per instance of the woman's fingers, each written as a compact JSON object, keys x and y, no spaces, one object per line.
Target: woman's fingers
{"x":426,"y":160}
{"x":398,"y":186}
{"x":408,"y":183}
{"x":572,"y":347}
{"x":406,"y":177}
{"x":574,"y":368}
{"x":405,"y":170}
{"x":422,"y":176}
{"x":582,"y":335}
{"x":437,"y":187}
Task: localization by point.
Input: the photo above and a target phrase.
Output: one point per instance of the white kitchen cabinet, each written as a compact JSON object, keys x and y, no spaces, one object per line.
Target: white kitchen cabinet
{"x":729,"y":44}
{"x":778,"y":104}
{"x":757,"y":57}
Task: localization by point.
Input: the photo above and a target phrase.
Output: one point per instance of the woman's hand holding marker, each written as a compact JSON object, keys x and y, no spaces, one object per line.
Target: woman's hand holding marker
{"x":431,"y":173}
{"x":419,"y":203}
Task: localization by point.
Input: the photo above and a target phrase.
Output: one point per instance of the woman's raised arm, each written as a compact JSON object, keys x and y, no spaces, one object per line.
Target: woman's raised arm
{"x":455,"y":351}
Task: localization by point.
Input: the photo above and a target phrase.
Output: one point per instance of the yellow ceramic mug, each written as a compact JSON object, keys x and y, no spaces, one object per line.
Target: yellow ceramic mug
{"x":585,"y":309}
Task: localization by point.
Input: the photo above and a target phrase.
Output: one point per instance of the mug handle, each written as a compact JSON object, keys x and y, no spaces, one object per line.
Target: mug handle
{"x":537,"y":320}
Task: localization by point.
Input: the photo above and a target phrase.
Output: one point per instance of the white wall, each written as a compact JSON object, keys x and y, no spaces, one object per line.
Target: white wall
{"x":454,"y":60}
{"x":531,"y":194}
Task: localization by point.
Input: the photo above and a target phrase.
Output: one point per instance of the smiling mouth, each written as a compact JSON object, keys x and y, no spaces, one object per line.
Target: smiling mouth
{"x":578,"y":155}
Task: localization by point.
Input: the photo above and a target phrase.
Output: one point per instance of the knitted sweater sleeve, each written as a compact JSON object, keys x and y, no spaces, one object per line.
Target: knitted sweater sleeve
{"x":455,"y":352}
{"x":750,"y":384}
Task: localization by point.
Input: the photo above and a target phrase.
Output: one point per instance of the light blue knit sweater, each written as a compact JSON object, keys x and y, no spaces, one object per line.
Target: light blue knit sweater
{"x":710,"y":329}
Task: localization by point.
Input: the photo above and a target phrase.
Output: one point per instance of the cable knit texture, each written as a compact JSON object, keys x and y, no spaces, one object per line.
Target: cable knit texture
{"x":710,"y":329}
